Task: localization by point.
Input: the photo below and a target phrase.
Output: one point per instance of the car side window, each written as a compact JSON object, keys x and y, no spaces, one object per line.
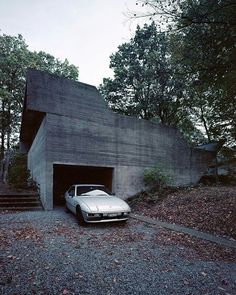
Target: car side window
{"x":71,"y":191}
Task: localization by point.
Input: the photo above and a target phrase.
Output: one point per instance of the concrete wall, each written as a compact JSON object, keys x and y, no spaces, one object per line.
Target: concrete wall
{"x":128,"y":144}
{"x":51,"y":94}
{"x":79,"y":129}
{"x":37,"y":163}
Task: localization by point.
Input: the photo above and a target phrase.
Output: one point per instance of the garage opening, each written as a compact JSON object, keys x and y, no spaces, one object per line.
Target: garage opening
{"x":66,"y":175}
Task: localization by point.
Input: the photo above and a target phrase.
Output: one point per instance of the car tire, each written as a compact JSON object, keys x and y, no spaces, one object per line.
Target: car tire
{"x":79,"y":216}
{"x":66,"y":209}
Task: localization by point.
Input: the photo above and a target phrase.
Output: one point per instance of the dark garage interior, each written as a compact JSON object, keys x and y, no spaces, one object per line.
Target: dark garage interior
{"x":66,"y":175}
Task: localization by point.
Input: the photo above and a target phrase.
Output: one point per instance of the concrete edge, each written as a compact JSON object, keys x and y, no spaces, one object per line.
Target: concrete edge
{"x":186,"y":230}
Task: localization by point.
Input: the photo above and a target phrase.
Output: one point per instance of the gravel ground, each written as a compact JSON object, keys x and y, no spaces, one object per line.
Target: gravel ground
{"x":49,"y":253}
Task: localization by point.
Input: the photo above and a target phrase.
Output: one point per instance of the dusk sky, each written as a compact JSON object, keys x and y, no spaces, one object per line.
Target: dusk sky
{"x":84,"y":32}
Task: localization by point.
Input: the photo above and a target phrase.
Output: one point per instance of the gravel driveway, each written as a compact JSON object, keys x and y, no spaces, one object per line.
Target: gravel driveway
{"x":49,"y":253}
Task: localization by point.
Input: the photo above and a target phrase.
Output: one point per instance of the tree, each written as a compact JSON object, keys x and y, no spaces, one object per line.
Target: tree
{"x":177,"y":14}
{"x":207,"y":44}
{"x":203,"y":33}
{"x":145,"y":84}
{"x":15,"y":58}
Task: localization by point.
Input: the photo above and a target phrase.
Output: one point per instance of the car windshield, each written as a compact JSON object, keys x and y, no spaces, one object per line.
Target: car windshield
{"x":82,"y":190}
{"x":96,"y":193}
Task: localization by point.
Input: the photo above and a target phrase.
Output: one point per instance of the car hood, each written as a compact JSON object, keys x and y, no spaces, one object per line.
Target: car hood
{"x":104,"y":203}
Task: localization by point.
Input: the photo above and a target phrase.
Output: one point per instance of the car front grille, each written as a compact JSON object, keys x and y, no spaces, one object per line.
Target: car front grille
{"x":106,"y":216}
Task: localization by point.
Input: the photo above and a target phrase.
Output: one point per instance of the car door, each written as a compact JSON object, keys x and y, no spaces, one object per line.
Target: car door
{"x":70,"y":201}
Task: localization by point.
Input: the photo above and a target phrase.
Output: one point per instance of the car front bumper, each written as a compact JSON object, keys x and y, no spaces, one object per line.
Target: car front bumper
{"x":105,"y":217}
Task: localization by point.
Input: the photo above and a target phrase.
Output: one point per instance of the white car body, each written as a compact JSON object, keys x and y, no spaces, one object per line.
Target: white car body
{"x":95,"y":204}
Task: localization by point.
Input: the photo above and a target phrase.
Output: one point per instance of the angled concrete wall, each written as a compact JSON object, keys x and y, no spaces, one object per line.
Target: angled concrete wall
{"x":73,"y":125}
{"x":37,"y":163}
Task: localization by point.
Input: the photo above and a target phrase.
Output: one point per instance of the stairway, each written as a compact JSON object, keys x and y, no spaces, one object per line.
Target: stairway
{"x":20,"y":201}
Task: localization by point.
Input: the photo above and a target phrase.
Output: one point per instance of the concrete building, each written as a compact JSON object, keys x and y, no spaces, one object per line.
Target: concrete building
{"x":71,"y":136}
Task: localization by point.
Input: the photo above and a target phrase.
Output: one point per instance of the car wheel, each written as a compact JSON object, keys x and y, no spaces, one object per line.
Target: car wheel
{"x":66,"y":209}
{"x":79,"y":216}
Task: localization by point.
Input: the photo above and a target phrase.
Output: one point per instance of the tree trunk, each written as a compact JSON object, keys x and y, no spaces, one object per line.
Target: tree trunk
{"x":205,"y":124}
{"x":3,"y":131}
{"x":6,"y":166}
{"x":8,"y":124}
{"x":2,"y":144}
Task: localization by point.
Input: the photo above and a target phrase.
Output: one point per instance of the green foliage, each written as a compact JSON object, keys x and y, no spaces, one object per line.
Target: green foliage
{"x":206,"y":47}
{"x":145,"y":83}
{"x":18,"y":174}
{"x":15,"y":58}
{"x":203,"y":38}
{"x":141,"y":86}
{"x":156,"y":178}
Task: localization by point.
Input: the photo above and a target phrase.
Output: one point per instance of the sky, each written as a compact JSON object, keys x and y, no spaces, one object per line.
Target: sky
{"x":86,"y":32}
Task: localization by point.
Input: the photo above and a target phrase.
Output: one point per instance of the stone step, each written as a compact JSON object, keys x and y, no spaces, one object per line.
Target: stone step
{"x":19,"y":195}
{"x":15,"y":199}
{"x":20,"y":201}
{"x":20,"y":204}
{"x":35,"y":208}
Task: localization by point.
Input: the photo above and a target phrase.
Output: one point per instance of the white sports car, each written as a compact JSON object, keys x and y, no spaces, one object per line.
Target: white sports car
{"x":91,"y":203}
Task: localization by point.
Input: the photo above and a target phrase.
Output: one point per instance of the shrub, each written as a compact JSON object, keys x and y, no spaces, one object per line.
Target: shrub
{"x":156,"y":178}
{"x":18,"y":174}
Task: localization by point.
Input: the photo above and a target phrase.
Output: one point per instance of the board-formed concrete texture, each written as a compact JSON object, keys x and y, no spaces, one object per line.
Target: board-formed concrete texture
{"x":67,"y":124}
